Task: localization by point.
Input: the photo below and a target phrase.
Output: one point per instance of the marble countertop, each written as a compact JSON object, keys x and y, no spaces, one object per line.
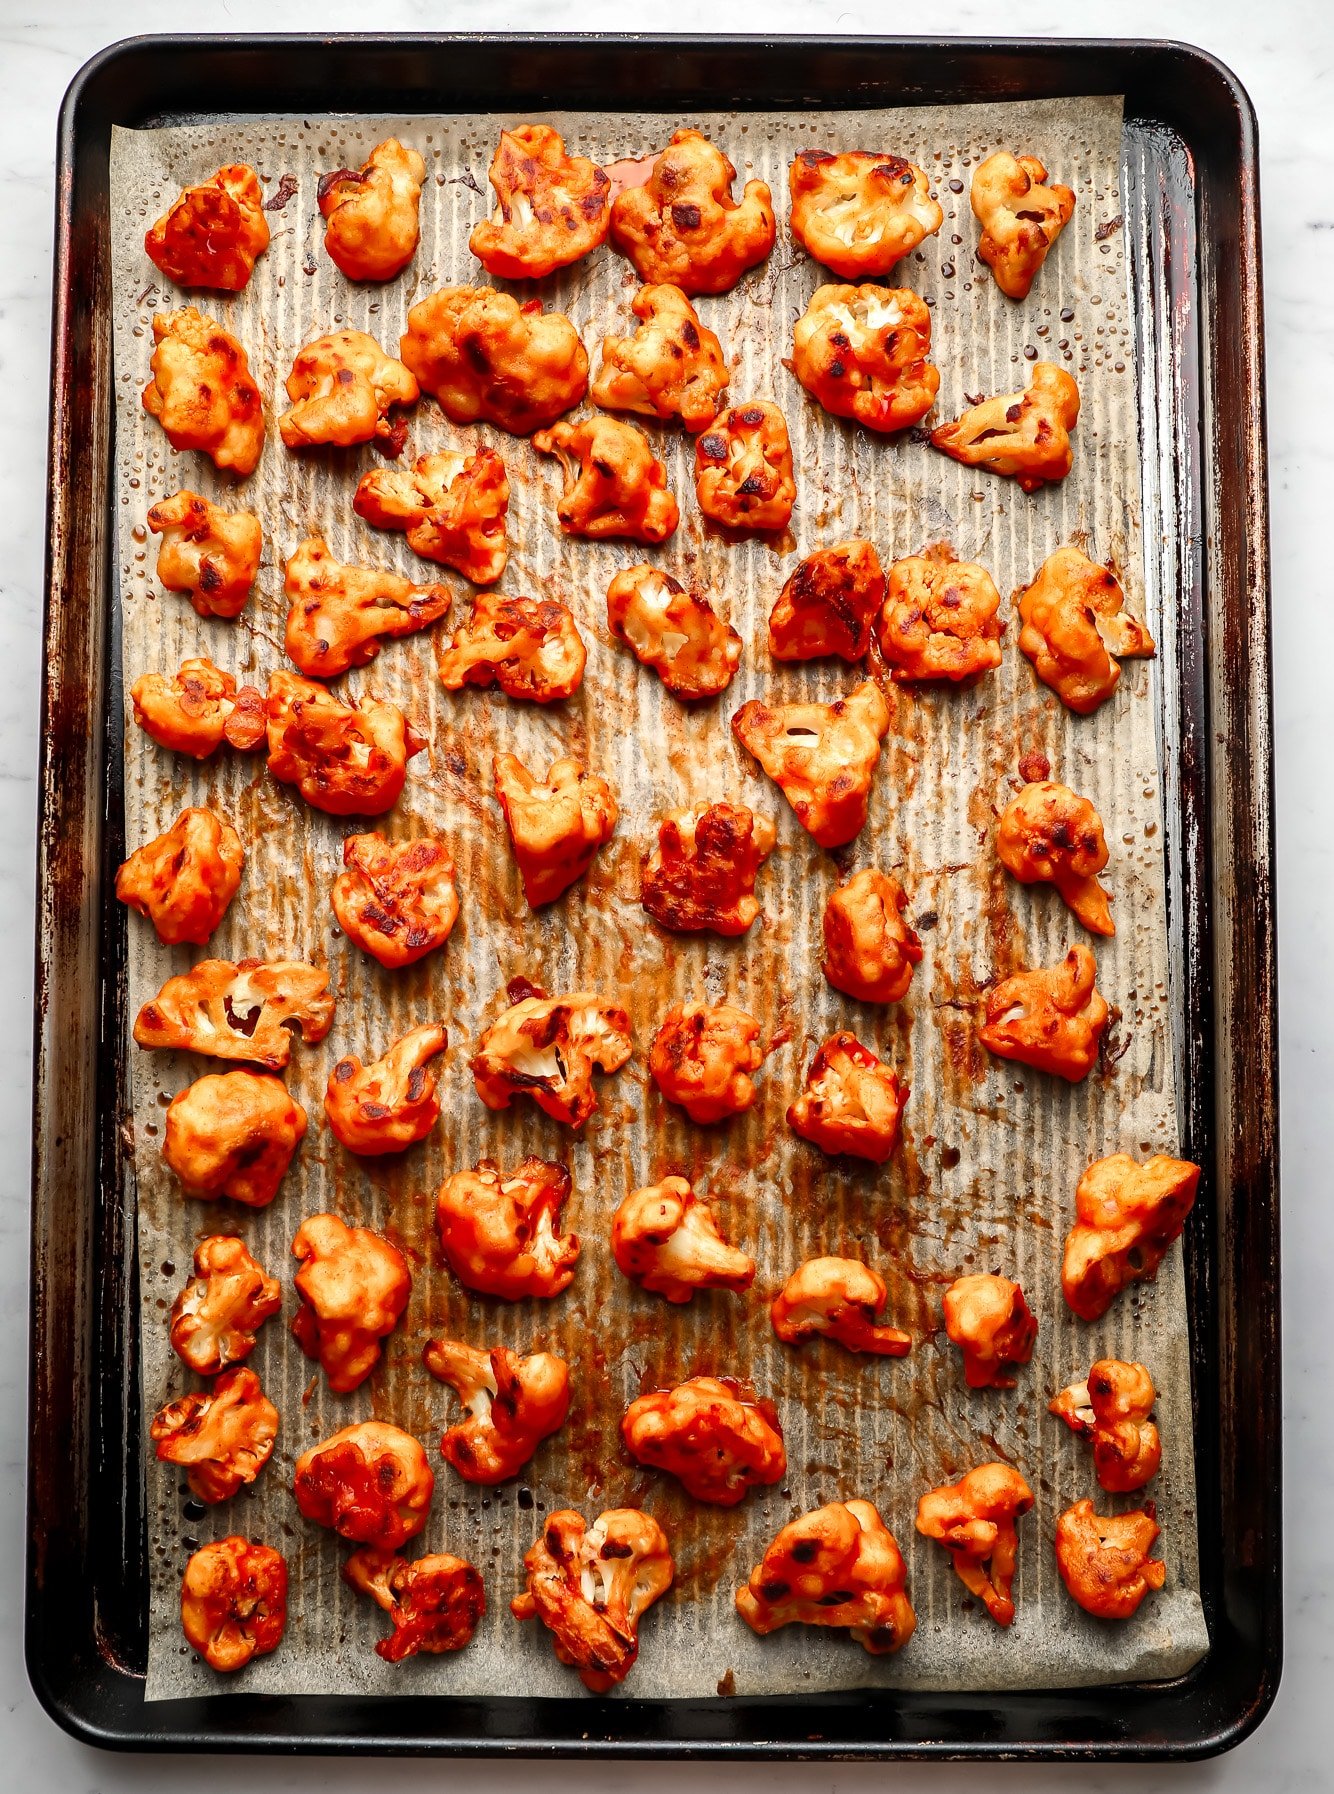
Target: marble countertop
{"x":1284,"y":54}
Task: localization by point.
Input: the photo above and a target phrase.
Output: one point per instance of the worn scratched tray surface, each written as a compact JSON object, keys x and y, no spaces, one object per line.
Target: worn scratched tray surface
{"x":1167,"y":270}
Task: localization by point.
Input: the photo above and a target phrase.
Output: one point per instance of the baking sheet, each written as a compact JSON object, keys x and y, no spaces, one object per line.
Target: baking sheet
{"x":992,"y":1152}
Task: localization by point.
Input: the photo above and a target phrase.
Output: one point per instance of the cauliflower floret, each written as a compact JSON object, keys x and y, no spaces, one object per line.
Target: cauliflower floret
{"x":1048,"y":834}
{"x":852,"y":1102}
{"x":683,"y":224}
{"x":1111,"y":1409}
{"x":1024,"y":435}
{"x":1126,"y":1216}
{"x":590,"y":1586}
{"x":711,"y":1434}
{"x":546,"y":1048}
{"x":372,"y":213}
{"x":940,"y":618}
{"x":676,"y":632}
{"x":743,"y":468}
{"x":214,"y":233}
{"x":988,"y":1319}
{"x":345,"y":759}
{"x":614,"y":483}
{"x":485,"y":356}
{"x":194,"y":711}
{"x":829,"y":604}
{"x":673,"y":365}
{"x":1104,"y":1558}
{"x":822,"y":757}
{"x":859,"y":213}
{"x":339,"y":613}
{"x":556,"y":824}
{"x":551,"y":208}
{"x":354,"y":1286}
{"x":702,"y":873}
{"x":210,"y":553}
{"x":343,"y":387}
{"x":247,"y":1009}
{"x":435,"y":1602}
{"x":861,"y":352}
{"x":974,"y":1519}
{"x":869,"y":950}
{"x":233,"y":1134}
{"x":836,"y":1566}
{"x":1051,"y":1018}
{"x":702,"y":1057}
{"x":529,"y":647}
{"x":667,"y":1239}
{"x":184,"y":879}
{"x":1075,"y":629}
{"x":396,"y":899}
{"x":234,"y":1602}
{"x":202,"y":391}
{"x":839,"y":1297}
{"x":215,"y":1318}
{"x":1021,"y":218}
{"x":223,"y":1437}
{"x":391,"y":1103}
{"x":513,"y":1404}
{"x":371,"y":1483}
{"x":498,"y":1232}
{"x":451,"y":506}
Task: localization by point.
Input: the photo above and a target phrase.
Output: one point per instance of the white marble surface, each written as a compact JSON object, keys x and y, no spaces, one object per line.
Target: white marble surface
{"x":1284,"y":53}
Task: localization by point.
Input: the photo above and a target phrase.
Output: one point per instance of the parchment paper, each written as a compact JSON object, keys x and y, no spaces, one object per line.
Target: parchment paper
{"x":986,"y":1174}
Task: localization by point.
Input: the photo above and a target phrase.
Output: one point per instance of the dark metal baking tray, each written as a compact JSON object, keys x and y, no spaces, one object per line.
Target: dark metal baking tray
{"x":1191,"y":186}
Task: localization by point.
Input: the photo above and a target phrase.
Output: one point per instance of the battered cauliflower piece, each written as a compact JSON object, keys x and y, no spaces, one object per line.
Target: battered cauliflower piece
{"x":345,"y":759}
{"x":829,"y":604}
{"x":1111,"y":1410}
{"x":452,"y":508}
{"x":861,"y":352}
{"x":214,"y":234}
{"x":683,"y":225}
{"x":248,"y":1009}
{"x":184,"y":879}
{"x":1051,"y":1018}
{"x":822,"y":757}
{"x":869,"y":950}
{"x":202,"y":391}
{"x":371,"y":214}
{"x":556,"y":824}
{"x":513,"y":1404}
{"x":215,"y":1318}
{"x":840,"y":1298}
{"x":702,"y":1057}
{"x":343,"y":387}
{"x":676,"y":632}
{"x":546,"y":1048}
{"x":1104,"y":1559}
{"x":435,"y":1602}
{"x":354,"y":1286}
{"x":222,"y":1438}
{"x":940,"y":618}
{"x":391,"y":1103}
{"x":836,"y":1566}
{"x":1021,"y":218}
{"x":614,"y":483}
{"x":672,"y":367}
{"x":1126,"y":1216}
{"x":195,"y":710}
{"x":852,"y":1102}
{"x":860,"y":213}
{"x":974,"y":1519}
{"x":498,"y":1232}
{"x":1076,"y":631}
{"x":1047,"y":834}
{"x":667,"y":1239}
{"x":715,"y":1438}
{"x":211,"y":554}
{"x":340,"y":613}
{"x":234,"y":1602}
{"x":988,"y":1319}
{"x":233,"y":1134}
{"x":396,"y":899}
{"x":591,"y":1585}
{"x":702,"y":873}
{"x":484,"y":356}
{"x":371,"y":1483}
{"x":551,"y":209}
{"x":529,"y":647}
{"x":743,"y":468}
{"x":1023,"y":435}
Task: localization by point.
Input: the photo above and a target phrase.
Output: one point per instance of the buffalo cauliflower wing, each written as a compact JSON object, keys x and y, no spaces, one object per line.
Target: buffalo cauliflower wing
{"x":202,"y":391}
{"x":551,"y":208}
{"x":1051,"y":1018}
{"x":354,"y":1286}
{"x":683,"y":225}
{"x":676,"y":632}
{"x":702,"y":1057}
{"x":222,"y":1438}
{"x":233,"y":1134}
{"x":396,"y":899}
{"x":840,"y":1298}
{"x":988,"y":1319}
{"x":391,"y":1103}
{"x":614,"y":483}
{"x":672,"y":367}
{"x":869,"y":950}
{"x":836,"y":1566}
{"x":822,"y":757}
{"x":529,"y":647}
{"x":556,"y":824}
{"x":546,"y":1048}
{"x":1126,"y":1216}
{"x":513,"y":1404}
{"x":195,"y":710}
{"x":1076,"y":630}
{"x":1104,"y":1558}
{"x":702,"y":873}
{"x":484,"y":356}
{"x":709,"y":1433}
{"x":1022,"y":435}
{"x":214,"y":233}
{"x":859,"y":213}
{"x":743,"y":468}
{"x":211,"y":554}
{"x":1111,"y":1410}
{"x":371,"y":214}
{"x":184,"y":879}
{"x":862,"y":352}
{"x":339,"y":614}
{"x":234,"y":1602}
{"x":939,"y":619}
{"x":452,"y":508}
{"x":667,"y":1240}
{"x":852,"y":1103}
{"x":829,"y":604}
{"x":1048,"y":834}
{"x":371,"y":1483}
{"x":246,"y":1010}
{"x":435,"y":1602}
{"x":345,"y":759}
{"x":974,"y":1519}
{"x":343,"y":387}
{"x":215,"y":1318}
{"x":499,"y":1234}
{"x":1021,"y":218}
